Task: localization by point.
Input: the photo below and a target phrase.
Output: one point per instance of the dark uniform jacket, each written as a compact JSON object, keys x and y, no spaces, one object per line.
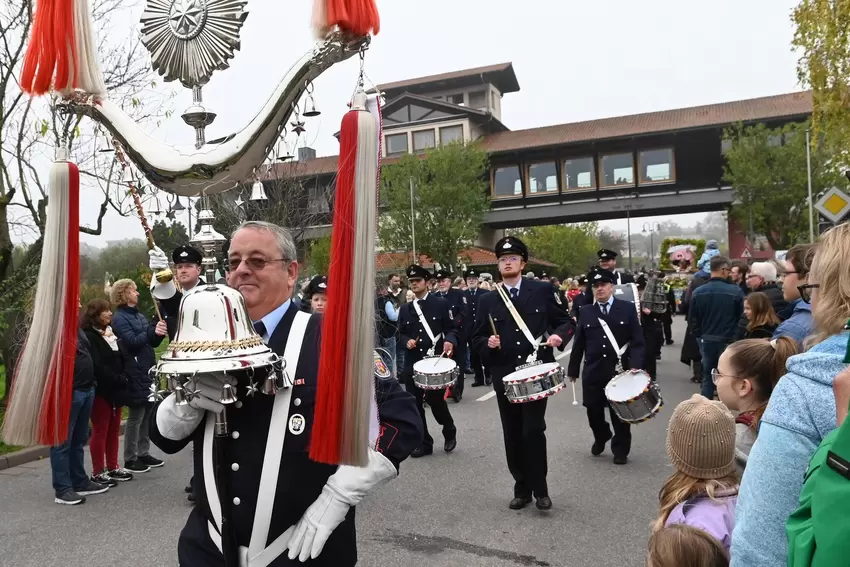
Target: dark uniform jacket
{"x":472,"y":299}
{"x":600,"y":358}
{"x":299,"y":480}
{"x":170,"y":309}
{"x":459,"y":305}
{"x":440,"y":319}
{"x":540,"y":307}
{"x":622,"y":278}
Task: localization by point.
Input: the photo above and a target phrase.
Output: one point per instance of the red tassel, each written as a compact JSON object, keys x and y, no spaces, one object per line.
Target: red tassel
{"x":355,"y":17}
{"x":330,"y":395}
{"x":52,"y":51}
{"x":56,"y":403}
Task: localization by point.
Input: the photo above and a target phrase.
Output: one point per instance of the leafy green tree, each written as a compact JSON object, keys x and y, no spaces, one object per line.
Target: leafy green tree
{"x":450,"y":200}
{"x":572,"y":246}
{"x":320,"y":255}
{"x":767,"y":169}
{"x":611,"y":241}
{"x":169,"y":236}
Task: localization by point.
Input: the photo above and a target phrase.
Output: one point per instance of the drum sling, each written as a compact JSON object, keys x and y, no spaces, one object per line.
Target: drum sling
{"x":619,"y":350}
{"x":427,"y":328}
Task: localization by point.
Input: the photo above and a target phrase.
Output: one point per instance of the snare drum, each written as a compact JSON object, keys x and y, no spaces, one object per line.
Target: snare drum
{"x":534,"y":382}
{"x":634,"y":397}
{"x":435,"y":373}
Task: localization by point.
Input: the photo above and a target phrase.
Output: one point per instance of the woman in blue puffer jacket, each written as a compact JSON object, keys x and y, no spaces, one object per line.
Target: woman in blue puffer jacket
{"x":801,"y":412}
{"x":137,"y":338}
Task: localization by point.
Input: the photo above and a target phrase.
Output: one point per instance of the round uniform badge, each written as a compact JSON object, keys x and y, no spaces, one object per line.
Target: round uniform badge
{"x":296,"y":424}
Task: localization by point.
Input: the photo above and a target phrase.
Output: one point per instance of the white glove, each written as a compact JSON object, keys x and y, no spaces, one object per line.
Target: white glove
{"x":177,"y":422}
{"x":344,"y":489}
{"x":157,"y":260}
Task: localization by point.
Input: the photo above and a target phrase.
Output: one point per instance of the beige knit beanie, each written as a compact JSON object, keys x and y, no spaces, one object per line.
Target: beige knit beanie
{"x":701,"y":438}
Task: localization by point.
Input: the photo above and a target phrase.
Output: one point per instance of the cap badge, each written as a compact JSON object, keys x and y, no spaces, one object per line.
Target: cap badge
{"x":184,"y":254}
{"x":597,"y":277}
{"x":507,"y":245}
{"x":323,"y":285}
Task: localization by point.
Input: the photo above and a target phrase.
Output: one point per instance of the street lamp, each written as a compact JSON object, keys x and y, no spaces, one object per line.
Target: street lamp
{"x":651,"y":227}
{"x":628,"y":207}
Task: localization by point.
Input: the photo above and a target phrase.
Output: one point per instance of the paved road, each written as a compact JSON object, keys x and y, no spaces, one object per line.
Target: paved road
{"x":443,"y":511}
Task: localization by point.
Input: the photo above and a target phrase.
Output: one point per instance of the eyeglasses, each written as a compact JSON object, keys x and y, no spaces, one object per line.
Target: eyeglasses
{"x":805,"y":293}
{"x":511,"y":259}
{"x":716,"y":375}
{"x":254,"y":264}
{"x":753,"y":276}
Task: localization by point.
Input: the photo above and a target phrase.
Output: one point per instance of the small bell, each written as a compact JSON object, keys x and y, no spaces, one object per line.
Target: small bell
{"x":283,"y":153}
{"x":228,"y":395}
{"x":106,"y":147}
{"x":270,"y":384}
{"x":180,"y":396}
{"x":155,"y":210}
{"x":258,"y":193}
{"x":311,"y":112}
{"x":128,"y":176}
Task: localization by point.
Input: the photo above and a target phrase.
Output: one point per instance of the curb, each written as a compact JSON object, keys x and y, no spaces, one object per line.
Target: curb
{"x":30,"y":454}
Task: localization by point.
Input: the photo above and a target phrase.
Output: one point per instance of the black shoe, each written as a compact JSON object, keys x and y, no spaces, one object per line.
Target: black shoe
{"x":488,"y":380}
{"x":150,"y":461}
{"x":456,"y":396}
{"x":421,"y":451}
{"x":191,"y":497}
{"x":91,"y":488}
{"x":670,"y":342}
{"x":476,"y":384}
{"x":469,"y":371}
{"x":657,"y":357}
{"x":598,"y":447}
{"x":188,"y":489}
{"x":519,"y":502}
{"x":103,"y":478}
{"x":69,"y":498}
{"x":120,"y":475}
{"x":136,"y":466}
{"x":620,"y":459}
{"x":544,"y":503}
{"x":450,"y":445}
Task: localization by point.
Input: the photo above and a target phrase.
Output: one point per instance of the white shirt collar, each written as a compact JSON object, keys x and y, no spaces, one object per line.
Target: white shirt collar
{"x":610,"y":302}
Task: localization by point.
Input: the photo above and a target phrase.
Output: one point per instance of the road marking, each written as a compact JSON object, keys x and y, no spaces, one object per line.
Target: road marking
{"x":486,"y":396}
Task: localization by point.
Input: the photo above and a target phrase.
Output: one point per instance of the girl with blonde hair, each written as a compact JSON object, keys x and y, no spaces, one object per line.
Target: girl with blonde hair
{"x":801,"y":411}
{"x":703,"y":490}
{"x":684,"y":546}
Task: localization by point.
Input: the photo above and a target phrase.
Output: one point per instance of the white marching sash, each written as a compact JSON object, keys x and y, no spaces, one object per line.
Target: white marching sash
{"x":620,"y":350}
{"x":427,"y":327}
{"x":535,"y":343}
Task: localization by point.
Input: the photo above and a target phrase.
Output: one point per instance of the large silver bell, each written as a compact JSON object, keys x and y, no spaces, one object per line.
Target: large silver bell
{"x":257,"y":191}
{"x":228,"y":395}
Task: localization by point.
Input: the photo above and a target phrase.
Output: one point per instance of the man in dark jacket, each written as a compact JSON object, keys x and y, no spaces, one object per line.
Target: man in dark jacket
{"x":714,"y":311}
{"x":691,"y":355}
{"x":71,"y":484}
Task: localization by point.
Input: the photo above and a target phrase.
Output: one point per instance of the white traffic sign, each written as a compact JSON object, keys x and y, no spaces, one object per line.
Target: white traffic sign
{"x":746,"y":253}
{"x":834,"y":205}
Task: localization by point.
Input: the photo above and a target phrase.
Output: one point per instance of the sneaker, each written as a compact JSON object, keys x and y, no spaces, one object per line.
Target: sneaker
{"x":92,"y":488}
{"x":120,"y":475}
{"x":103,"y":478}
{"x":150,"y":461}
{"x":69,"y":498}
{"x":136,"y":466}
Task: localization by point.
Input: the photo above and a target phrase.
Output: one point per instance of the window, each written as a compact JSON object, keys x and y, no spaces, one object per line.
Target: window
{"x":542,"y":178}
{"x":455,"y":99}
{"x":656,"y":166}
{"x":617,"y":169}
{"x":422,"y":140}
{"x":507,"y":182}
{"x":396,"y":144}
{"x":478,"y":100}
{"x":317,"y":200}
{"x":449,"y":134}
{"x":579,"y":174}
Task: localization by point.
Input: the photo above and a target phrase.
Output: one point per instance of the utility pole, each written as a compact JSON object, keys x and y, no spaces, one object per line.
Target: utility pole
{"x":413,"y":224}
{"x":809,"y":179}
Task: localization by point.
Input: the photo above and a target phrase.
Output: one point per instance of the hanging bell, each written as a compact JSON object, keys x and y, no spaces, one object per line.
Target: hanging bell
{"x":155,"y":210}
{"x":228,"y":395}
{"x":106,"y":147}
{"x":128,"y":176}
{"x":180,"y":396}
{"x":270,"y":384}
{"x":258,"y":193}
{"x":283,"y":153}
{"x":311,"y":109}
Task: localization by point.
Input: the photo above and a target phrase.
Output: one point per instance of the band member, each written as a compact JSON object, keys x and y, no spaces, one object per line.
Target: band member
{"x":317,"y":292}
{"x":307,"y":507}
{"x":601,"y":357}
{"x":542,"y":312}
{"x":671,"y":311}
{"x":427,"y":309}
{"x":187,"y":272}
{"x":460,"y":311}
{"x":473,"y":293}
{"x":582,"y":298}
{"x":650,"y":322}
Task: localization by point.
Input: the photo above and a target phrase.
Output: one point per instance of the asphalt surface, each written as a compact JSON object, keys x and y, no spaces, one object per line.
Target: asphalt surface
{"x":442,"y":511}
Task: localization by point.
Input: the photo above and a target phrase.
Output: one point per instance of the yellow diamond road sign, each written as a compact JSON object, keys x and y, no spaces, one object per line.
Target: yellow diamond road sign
{"x":834,"y":205}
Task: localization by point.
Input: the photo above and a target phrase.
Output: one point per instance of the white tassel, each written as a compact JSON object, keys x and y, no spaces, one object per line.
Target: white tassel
{"x":320,"y":19}
{"x":89,"y":76}
{"x":35,"y":364}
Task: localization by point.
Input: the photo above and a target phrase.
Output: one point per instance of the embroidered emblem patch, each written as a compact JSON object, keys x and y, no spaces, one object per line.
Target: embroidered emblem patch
{"x":296,"y":424}
{"x":558,"y":298}
{"x":381,"y":369}
{"x":298,"y":382}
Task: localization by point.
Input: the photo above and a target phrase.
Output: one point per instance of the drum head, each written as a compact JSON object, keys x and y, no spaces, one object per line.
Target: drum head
{"x":434,"y":365}
{"x":626,"y":386}
{"x":524,"y":374}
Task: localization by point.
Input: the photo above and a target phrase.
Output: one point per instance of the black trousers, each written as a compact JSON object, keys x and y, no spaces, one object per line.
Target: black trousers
{"x":524,"y":430}
{"x":478,"y":367}
{"x":668,"y":328}
{"x":459,"y":356}
{"x":439,"y":409}
{"x":621,"y":443}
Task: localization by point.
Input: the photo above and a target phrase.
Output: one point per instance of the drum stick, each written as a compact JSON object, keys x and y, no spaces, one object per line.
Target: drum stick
{"x":493,"y":328}
{"x":575,"y":401}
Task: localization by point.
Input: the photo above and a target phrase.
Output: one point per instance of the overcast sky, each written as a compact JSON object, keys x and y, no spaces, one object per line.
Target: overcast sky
{"x":574,"y":61}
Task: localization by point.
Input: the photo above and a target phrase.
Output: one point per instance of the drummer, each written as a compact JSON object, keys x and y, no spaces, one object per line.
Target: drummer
{"x":436,"y":314}
{"x":540,"y":309}
{"x":608,"y":261}
{"x":600,"y":360}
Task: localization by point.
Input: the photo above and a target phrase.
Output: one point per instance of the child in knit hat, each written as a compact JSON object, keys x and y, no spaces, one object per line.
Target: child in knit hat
{"x":704,"y":489}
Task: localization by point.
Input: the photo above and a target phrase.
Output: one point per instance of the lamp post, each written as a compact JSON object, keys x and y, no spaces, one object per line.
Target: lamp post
{"x":412,"y":224}
{"x":651,"y":227}
{"x":628,"y":207}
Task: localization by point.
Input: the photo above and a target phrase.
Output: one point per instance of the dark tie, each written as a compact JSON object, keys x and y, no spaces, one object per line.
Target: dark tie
{"x":604,"y":307}
{"x":514,"y":294}
{"x":260,"y":327}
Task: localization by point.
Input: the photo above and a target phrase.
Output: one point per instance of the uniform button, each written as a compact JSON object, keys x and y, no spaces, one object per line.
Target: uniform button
{"x":234,"y":467}
{"x":518,"y":342}
{"x":238,"y":404}
{"x":296,"y":402}
{"x":235,"y":435}
{"x":517,"y":330}
{"x":604,"y":356}
{"x":236,"y":501}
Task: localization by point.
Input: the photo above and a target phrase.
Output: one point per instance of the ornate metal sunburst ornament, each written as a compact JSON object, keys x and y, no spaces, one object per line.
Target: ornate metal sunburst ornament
{"x":190,"y":39}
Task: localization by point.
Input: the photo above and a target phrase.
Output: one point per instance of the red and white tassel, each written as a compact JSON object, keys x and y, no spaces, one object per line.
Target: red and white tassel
{"x":62,"y":52}
{"x":346,"y":387}
{"x":40,"y":402}
{"x":356,"y":18}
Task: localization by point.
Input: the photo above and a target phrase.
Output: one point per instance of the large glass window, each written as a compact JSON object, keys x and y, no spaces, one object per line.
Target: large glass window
{"x":617,"y":169}
{"x":423,"y":139}
{"x":449,"y":134}
{"x":656,"y":166}
{"x":542,"y":178}
{"x":396,"y":143}
{"x":507,"y":182}
{"x":579,"y":174}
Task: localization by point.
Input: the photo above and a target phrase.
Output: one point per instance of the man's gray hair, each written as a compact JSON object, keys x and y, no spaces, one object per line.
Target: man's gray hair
{"x":764,"y":269}
{"x":285,"y":243}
